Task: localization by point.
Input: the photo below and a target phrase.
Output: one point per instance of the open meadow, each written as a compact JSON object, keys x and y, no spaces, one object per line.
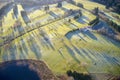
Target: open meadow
{"x":62,"y":42}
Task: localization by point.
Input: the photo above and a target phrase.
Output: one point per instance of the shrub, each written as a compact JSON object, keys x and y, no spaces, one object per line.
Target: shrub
{"x":80,"y":5}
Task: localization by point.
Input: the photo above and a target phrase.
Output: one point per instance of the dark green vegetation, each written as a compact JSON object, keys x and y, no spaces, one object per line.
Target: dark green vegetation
{"x":115,"y":4}
{"x":79,"y":76}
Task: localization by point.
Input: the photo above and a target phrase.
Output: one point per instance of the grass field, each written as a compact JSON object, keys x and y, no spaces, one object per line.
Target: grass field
{"x":58,"y":45}
{"x":62,"y":54}
{"x":90,"y":5}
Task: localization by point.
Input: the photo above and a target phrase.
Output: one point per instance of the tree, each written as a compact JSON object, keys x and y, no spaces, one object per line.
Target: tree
{"x":118,"y":8}
{"x":72,"y":2}
{"x":96,"y":11}
{"x":47,"y":8}
{"x":80,"y":5}
{"x":95,"y":21}
{"x":59,"y":4}
{"x":76,"y":16}
{"x":80,"y":12}
{"x":69,"y":20}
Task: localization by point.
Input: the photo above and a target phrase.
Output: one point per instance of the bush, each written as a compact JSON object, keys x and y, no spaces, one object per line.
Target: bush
{"x":59,"y":4}
{"x":80,"y":5}
{"x":78,"y":76}
{"x":73,"y":2}
{"x":76,"y":17}
{"x":114,"y":25}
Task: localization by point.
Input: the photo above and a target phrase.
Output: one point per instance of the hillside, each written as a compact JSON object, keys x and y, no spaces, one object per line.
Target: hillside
{"x":75,"y":37}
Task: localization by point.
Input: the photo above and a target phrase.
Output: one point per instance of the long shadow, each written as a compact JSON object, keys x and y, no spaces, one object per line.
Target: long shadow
{"x":78,"y":51}
{"x":24,"y":46}
{"x":34,"y":47}
{"x":72,"y":26}
{"x":64,"y":9}
{"x":78,"y":76}
{"x":44,"y":43}
{"x":84,"y":17}
{"x":92,"y":53}
{"x":0,"y":51}
{"x":87,"y":54}
{"x":53,"y":14}
{"x":69,"y":35}
{"x":61,"y":54}
{"x":12,"y":71}
{"x":21,"y":55}
{"x":70,"y":51}
{"x":80,"y":20}
{"x":75,"y":32}
{"x":90,"y":34}
{"x":15,"y":11}
{"x":113,"y":41}
{"x":49,"y":42}
{"x":109,"y":31}
{"x":46,"y":39}
{"x":10,"y":6}
{"x":25,"y":17}
{"x":104,"y":25}
{"x":12,"y":50}
{"x":5,"y":57}
{"x":112,"y":60}
{"x":75,"y":26}
{"x":20,"y":29}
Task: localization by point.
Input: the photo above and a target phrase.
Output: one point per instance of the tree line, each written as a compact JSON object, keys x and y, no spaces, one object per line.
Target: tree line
{"x":2,"y":10}
{"x":115,"y":4}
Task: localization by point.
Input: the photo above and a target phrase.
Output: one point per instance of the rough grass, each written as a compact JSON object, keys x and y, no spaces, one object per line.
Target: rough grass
{"x":90,"y":5}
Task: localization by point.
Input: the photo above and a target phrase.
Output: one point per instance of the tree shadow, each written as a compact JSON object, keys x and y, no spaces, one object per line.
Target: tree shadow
{"x":80,"y":20}
{"x":61,"y":54}
{"x":22,"y":55}
{"x":104,"y":25}
{"x":86,"y":18}
{"x":12,"y":50}
{"x":25,"y":17}
{"x":113,"y":41}
{"x":64,"y":9}
{"x":92,"y":53}
{"x":77,"y":32}
{"x":24,"y":46}
{"x":69,"y":35}
{"x":47,"y":40}
{"x":87,"y":54}
{"x":111,"y":60}
{"x":78,"y":51}
{"x":71,"y":52}
{"x":12,"y":71}
{"x":20,"y":29}
{"x":90,"y":34}
{"x":7,"y":9}
{"x":35,"y":48}
{"x":15,"y":11}
{"x":74,"y":32}
{"x":78,"y":76}
{"x":53,"y":14}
